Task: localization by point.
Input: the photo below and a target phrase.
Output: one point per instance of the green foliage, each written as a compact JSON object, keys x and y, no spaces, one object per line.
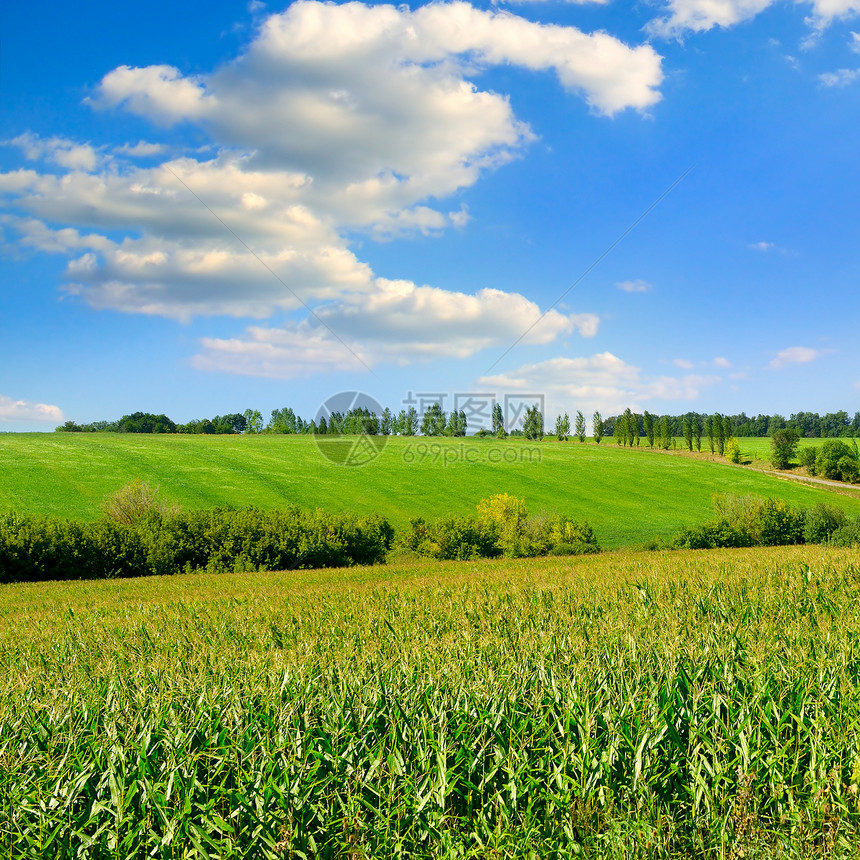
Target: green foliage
{"x":533,"y":424}
{"x":580,"y":426}
{"x":733,"y":451}
{"x":502,"y":528}
{"x":562,"y":427}
{"x":821,"y":521}
{"x":838,"y":461}
{"x":751,"y":521}
{"x":597,"y":427}
{"x":220,"y":540}
{"x":134,"y":502}
{"x":783,"y":444}
{"x":807,"y":457}
{"x":847,"y":535}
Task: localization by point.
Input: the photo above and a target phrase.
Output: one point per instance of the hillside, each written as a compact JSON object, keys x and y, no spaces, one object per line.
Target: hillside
{"x":629,"y":496}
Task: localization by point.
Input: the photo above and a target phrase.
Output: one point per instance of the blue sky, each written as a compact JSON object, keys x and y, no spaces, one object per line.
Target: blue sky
{"x":211,"y":207}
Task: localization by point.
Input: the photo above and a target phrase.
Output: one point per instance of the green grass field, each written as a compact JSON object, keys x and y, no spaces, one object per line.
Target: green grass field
{"x":629,"y":705}
{"x":628,"y":495}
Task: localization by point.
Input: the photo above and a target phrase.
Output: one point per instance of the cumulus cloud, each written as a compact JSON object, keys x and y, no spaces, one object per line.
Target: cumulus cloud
{"x":58,"y":150}
{"x":335,"y":119}
{"x":637,"y":286}
{"x":26,"y":410}
{"x":396,"y":323}
{"x":794,"y":355}
{"x":702,"y":15}
{"x":601,"y":381}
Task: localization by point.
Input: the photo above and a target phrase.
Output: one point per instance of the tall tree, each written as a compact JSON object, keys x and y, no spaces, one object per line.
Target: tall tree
{"x":648,"y":427}
{"x":533,"y":424}
{"x":719,"y":438}
{"x":697,"y":431}
{"x":562,"y":427}
{"x":498,"y":421}
{"x":688,"y":431}
{"x":580,"y":426}
{"x":709,"y":431}
{"x":665,"y":433}
{"x":597,"y":427}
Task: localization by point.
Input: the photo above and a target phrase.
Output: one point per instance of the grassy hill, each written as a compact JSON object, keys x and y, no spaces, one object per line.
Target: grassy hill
{"x":628,"y":495}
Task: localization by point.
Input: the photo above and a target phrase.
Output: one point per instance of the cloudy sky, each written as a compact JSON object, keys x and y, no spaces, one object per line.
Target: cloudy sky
{"x":210,"y":207}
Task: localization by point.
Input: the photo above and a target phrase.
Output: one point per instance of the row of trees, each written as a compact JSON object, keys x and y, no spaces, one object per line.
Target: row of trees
{"x":628,"y":428}
{"x":808,"y":425}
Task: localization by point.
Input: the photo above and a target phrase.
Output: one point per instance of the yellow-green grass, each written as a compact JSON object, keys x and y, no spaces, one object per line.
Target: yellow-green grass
{"x":630,"y":705}
{"x":628,"y":495}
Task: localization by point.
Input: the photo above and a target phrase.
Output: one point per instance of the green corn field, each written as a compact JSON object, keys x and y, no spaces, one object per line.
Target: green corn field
{"x":627,"y":705}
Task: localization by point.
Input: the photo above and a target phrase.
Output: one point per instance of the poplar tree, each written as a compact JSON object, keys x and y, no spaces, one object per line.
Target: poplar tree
{"x":718,"y":434}
{"x":688,"y":432}
{"x":597,"y":427}
{"x":648,"y":426}
{"x":580,"y":426}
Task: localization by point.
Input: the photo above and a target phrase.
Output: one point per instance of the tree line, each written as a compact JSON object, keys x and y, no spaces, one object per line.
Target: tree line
{"x":628,"y":428}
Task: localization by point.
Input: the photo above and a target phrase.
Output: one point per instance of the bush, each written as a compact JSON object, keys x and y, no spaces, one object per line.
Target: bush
{"x":453,"y":537}
{"x":834,"y":456}
{"x":744,"y":521}
{"x":821,"y":521}
{"x":43,"y":548}
{"x":733,"y":451}
{"x":778,"y":524}
{"x":849,"y":469}
{"x":502,"y":527}
{"x":134,"y":502}
{"x":807,"y":458}
{"x":847,"y":535}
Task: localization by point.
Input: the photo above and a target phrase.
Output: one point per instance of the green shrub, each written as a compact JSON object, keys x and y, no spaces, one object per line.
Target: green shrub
{"x":733,"y":451}
{"x":43,"y":548}
{"x":778,"y":524}
{"x":849,"y":469}
{"x":847,"y":535}
{"x":452,"y":537}
{"x":807,"y":458}
{"x":832,"y":457}
{"x":821,"y":521}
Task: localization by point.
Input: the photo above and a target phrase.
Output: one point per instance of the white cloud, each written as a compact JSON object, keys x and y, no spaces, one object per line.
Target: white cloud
{"x":397,"y":322}
{"x":335,"y":118}
{"x":683,"y":363}
{"x":637,"y":286}
{"x":762,"y":246}
{"x":159,"y":93}
{"x":839,"y":78}
{"x":59,"y":150}
{"x":855,"y":42}
{"x":601,"y":381}
{"x":719,"y":361}
{"x":794,"y":355}
{"x":702,"y":15}
{"x":26,"y":410}
{"x":141,"y":149}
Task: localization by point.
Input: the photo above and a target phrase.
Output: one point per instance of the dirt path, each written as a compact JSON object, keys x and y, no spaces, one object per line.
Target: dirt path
{"x":837,"y":485}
